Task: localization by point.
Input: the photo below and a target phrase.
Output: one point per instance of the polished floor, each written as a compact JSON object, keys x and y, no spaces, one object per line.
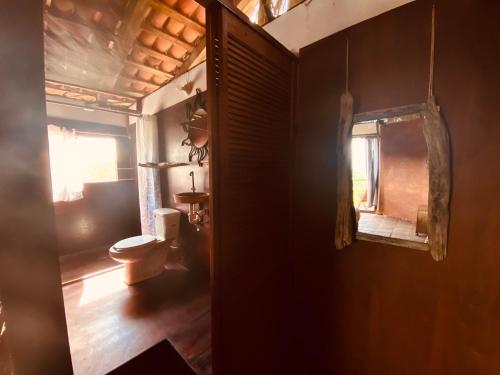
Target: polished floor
{"x":85,"y":264}
{"x":390,"y":227}
{"x":110,"y":323}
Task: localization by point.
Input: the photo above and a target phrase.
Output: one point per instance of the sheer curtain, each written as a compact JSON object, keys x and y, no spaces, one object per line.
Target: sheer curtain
{"x":67,"y":183}
{"x":373,"y":171}
{"x":148,"y":178}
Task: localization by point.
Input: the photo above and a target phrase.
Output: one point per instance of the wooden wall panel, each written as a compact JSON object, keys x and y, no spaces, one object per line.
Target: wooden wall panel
{"x":250,"y":104}
{"x":30,"y":284}
{"x":379,"y":309}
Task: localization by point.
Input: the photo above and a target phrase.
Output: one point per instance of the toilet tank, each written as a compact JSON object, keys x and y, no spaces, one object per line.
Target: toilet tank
{"x":167,"y":222}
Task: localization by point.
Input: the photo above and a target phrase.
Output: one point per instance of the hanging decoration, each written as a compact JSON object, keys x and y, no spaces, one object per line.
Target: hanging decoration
{"x":196,"y":128}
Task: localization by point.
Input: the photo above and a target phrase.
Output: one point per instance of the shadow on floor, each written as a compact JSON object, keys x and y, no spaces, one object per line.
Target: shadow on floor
{"x":160,"y":359}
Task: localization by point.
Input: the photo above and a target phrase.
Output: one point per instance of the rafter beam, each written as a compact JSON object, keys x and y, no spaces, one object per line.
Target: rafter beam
{"x":157,"y":55}
{"x":172,"y":39}
{"x":149,"y":69}
{"x":172,"y":13}
{"x":51,"y":82}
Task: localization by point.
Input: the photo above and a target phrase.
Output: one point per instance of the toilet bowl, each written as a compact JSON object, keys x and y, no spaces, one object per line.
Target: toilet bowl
{"x":144,"y":256}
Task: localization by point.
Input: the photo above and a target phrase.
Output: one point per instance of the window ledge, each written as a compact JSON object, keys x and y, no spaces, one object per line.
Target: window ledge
{"x":392,"y":241}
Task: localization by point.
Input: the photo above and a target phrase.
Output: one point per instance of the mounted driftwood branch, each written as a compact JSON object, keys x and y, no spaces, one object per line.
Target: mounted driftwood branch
{"x":438,"y":145}
{"x":344,"y":228}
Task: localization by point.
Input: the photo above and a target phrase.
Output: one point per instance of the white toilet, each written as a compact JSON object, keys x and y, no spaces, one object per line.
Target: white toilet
{"x":144,"y":256}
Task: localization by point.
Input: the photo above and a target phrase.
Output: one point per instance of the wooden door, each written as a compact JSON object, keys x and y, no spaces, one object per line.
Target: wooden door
{"x":250,"y":94}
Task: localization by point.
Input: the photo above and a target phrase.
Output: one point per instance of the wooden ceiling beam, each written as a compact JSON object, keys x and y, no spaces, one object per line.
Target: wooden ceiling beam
{"x":53,"y":83}
{"x":149,"y":69}
{"x":158,"y":55}
{"x":172,"y":39}
{"x":174,"y":14}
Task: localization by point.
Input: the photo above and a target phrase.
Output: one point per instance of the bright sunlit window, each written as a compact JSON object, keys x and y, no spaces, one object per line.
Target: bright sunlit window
{"x":98,"y":158}
{"x":75,"y":160}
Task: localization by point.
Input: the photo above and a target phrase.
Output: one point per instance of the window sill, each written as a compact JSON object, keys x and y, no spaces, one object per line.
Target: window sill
{"x":392,"y":241}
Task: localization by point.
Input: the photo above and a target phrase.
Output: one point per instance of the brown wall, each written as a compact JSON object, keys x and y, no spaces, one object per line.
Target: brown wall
{"x":195,"y":245}
{"x":380,"y":309}
{"x":109,"y":211}
{"x":30,"y":283}
{"x":404,"y":178}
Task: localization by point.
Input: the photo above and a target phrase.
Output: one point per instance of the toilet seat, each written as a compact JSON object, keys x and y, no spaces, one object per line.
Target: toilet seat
{"x":144,"y":256}
{"x":134,"y":243}
{"x":132,"y":249}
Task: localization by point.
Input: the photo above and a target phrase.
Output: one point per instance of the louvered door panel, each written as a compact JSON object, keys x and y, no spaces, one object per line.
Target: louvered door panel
{"x":250,"y":103}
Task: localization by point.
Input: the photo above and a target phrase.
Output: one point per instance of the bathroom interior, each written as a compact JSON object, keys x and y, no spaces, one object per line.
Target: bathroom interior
{"x":126,"y":106}
{"x":236,"y":187}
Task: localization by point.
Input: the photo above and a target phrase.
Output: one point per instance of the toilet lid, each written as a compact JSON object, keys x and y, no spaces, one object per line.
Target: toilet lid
{"x":135,"y":242}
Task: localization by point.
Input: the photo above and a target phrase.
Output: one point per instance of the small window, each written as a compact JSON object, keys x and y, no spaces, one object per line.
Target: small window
{"x":391,"y":181}
{"x":76,"y":159}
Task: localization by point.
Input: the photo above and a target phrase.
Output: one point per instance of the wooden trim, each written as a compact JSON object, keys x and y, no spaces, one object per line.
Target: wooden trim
{"x":214,"y":35}
{"x":162,"y":34}
{"x":158,"y":55}
{"x":162,"y":7}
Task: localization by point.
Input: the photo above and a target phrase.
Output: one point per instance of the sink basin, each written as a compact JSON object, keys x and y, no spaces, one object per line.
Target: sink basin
{"x":191,"y":197}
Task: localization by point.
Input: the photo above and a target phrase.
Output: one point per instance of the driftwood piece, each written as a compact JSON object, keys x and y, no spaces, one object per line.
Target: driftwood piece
{"x":344,"y":227}
{"x":438,"y":145}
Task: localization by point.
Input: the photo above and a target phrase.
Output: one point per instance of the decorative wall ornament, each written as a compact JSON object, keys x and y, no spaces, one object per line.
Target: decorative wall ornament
{"x":196,"y":128}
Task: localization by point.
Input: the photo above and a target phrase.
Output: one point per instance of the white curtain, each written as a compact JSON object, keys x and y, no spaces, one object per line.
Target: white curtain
{"x":67,"y":183}
{"x":148,"y":178}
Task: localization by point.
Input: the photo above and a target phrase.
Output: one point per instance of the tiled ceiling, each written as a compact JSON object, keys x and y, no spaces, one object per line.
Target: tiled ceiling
{"x":124,"y":47}
{"x":109,"y":53}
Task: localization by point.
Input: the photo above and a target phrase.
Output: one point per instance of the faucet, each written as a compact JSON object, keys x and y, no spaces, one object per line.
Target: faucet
{"x":192,"y":180}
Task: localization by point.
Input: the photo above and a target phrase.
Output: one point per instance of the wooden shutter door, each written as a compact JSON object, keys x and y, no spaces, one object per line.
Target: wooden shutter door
{"x":250,"y":91}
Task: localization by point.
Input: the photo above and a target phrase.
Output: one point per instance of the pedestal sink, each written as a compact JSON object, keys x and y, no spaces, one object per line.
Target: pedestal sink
{"x":194,"y":198}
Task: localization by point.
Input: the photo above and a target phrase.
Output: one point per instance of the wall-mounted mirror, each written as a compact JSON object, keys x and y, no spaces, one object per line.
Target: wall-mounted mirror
{"x":390,"y":179}
{"x":196,"y":128}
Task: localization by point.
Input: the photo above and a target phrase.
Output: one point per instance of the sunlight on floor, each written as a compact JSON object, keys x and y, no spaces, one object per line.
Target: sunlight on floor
{"x":95,"y":288}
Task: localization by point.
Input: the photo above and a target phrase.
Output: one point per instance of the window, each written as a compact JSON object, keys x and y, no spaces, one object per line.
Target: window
{"x":75,"y":160}
{"x":391,"y":181}
{"x":98,"y":158}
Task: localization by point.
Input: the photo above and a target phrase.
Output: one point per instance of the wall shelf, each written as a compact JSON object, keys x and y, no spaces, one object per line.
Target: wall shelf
{"x":162,"y":165}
